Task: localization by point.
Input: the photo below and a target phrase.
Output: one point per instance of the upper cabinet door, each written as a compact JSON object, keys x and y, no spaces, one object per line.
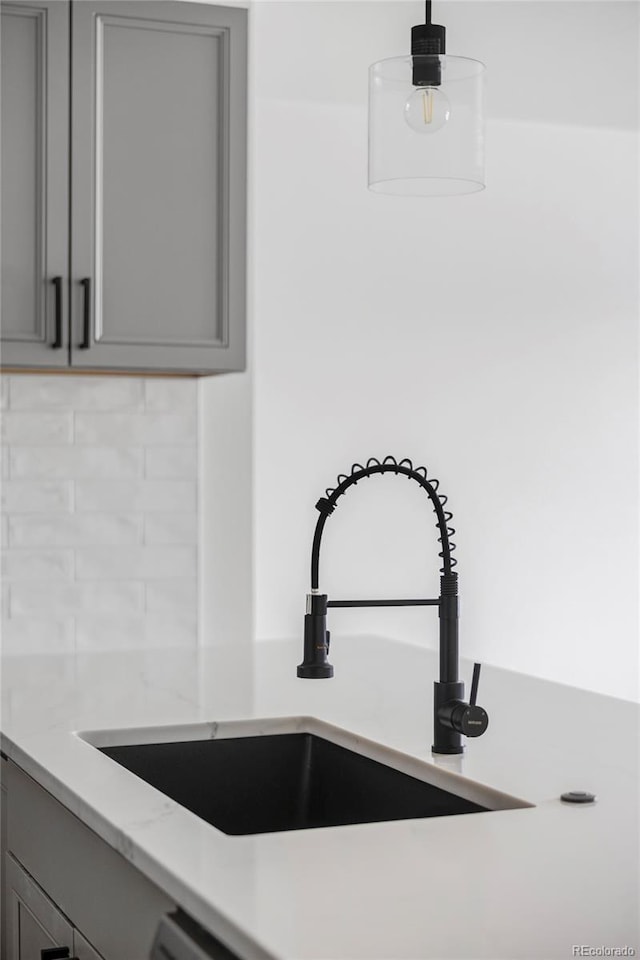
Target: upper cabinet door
{"x":159,"y":185}
{"x":35,"y":175}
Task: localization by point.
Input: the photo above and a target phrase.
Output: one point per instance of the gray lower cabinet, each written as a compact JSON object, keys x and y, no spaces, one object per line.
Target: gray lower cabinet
{"x":35,"y":923}
{"x":154,"y":268}
{"x":82,"y":949}
{"x":4,"y":766}
{"x":64,"y":886}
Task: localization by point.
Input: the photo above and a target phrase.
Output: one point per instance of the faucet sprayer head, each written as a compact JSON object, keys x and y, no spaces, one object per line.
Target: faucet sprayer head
{"x":315,"y":665}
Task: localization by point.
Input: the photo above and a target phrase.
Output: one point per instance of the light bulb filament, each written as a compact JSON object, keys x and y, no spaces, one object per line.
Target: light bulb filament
{"x":427,"y":109}
{"x":427,"y":106}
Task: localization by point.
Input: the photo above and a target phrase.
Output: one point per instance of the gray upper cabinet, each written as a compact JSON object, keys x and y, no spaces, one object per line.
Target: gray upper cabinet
{"x":159,"y":181}
{"x":35,"y":174}
{"x":156,"y":274}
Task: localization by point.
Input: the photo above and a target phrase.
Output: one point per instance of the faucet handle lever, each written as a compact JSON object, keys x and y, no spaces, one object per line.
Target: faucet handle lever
{"x":456,"y":714}
{"x":475,"y":680}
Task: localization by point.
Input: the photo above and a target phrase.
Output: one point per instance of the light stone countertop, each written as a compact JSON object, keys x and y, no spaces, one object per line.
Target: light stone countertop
{"x":526,"y":883}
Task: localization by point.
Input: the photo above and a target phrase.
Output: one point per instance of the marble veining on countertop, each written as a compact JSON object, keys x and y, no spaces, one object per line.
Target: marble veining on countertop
{"x":524,"y":883}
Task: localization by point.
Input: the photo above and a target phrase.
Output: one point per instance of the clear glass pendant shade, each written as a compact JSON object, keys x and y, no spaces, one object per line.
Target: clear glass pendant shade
{"x":426,"y":140}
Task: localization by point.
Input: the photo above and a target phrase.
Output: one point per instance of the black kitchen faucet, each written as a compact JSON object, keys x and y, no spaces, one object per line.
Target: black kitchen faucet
{"x":452,"y":716}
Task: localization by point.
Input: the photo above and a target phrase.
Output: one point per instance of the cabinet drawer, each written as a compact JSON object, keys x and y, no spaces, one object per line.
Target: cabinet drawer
{"x":34,"y":921}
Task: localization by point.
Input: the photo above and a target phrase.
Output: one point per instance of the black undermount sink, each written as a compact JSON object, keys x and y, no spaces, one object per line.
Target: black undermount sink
{"x":289,"y":781}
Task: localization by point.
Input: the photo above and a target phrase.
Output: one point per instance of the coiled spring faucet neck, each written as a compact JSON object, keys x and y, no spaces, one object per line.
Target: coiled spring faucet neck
{"x":327,"y":504}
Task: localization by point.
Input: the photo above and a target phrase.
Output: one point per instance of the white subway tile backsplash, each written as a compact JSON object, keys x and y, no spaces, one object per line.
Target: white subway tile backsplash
{"x":148,"y":496}
{"x":171,"y":528}
{"x":177,"y":598}
{"x":137,"y":563}
{"x":170,"y":396}
{"x":99,"y":512}
{"x":75,"y":462}
{"x":66,"y":600}
{"x":170,"y":631}
{"x":121,"y":429}
{"x":28,"y":635}
{"x":36,"y":496}
{"x":133,"y":632}
{"x":31,"y":565}
{"x":45,"y":428}
{"x":32,"y":530}
{"x":179,"y":463}
{"x":116,"y":632}
{"x":76,"y":393}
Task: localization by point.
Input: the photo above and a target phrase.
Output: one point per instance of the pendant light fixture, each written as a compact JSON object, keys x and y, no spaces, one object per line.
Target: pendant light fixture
{"x":426,"y":126}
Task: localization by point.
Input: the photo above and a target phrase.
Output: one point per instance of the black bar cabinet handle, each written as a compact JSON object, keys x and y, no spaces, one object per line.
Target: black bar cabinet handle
{"x":56,"y":953}
{"x":57,"y":285}
{"x":86,"y":314}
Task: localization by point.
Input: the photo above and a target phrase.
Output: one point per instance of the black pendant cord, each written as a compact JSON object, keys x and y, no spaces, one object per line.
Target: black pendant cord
{"x":326,"y":505}
{"x":427,"y":11}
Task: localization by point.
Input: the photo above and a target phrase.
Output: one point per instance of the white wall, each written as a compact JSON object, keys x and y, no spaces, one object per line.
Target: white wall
{"x":492,"y":338}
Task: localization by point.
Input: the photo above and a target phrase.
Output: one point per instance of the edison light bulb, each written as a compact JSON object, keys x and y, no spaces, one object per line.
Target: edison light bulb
{"x":427,"y":110}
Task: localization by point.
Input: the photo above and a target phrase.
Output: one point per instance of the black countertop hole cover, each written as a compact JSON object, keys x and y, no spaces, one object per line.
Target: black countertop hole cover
{"x":578,"y":796}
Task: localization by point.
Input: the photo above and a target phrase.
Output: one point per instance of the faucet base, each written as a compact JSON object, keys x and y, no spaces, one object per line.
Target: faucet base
{"x":447,"y":740}
{"x":448,"y":750}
